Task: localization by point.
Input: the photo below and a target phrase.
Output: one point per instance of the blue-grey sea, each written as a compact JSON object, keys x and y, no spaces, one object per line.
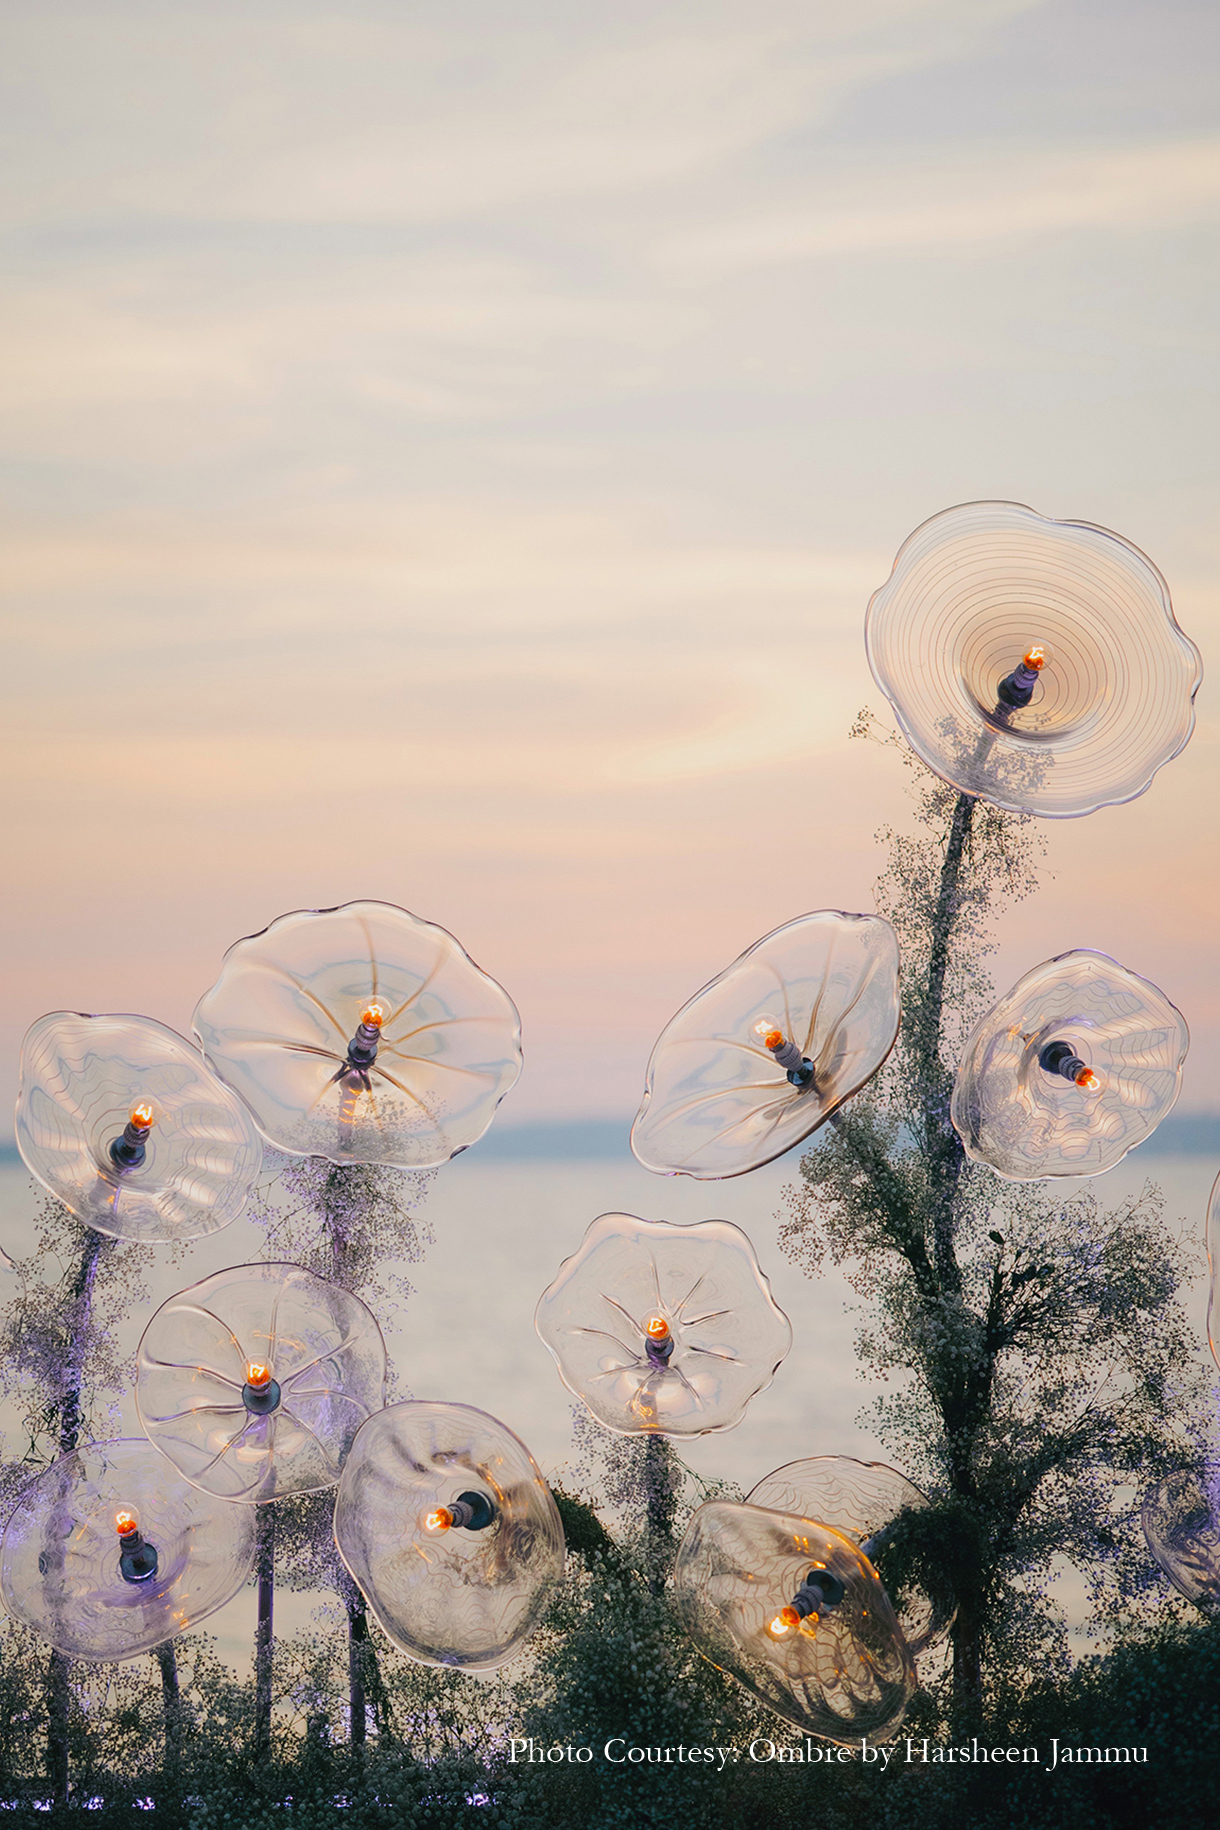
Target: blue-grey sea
{"x":503,"y":1221}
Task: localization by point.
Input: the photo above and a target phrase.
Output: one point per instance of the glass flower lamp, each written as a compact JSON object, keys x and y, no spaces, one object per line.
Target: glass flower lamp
{"x":1181,"y":1520}
{"x":362,"y":1034}
{"x":108,"y":1554}
{"x":869,"y":1503}
{"x":1077,"y":1065}
{"x":254,"y":1382}
{"x":797,"y":1614}
{"x":445,"y":1522}
{"x":1033,"y":663}
{"x":762,"y":1056}
{"x":663,"y":1330}
{"x":122,"y":1121}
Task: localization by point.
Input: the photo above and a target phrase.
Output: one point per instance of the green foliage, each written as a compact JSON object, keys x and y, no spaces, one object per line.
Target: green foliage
{"x":1040,"y":1369}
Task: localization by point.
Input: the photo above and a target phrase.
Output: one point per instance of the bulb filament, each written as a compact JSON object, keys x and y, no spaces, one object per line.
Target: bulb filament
{"x":787,"y":1055}
{"x":472,"y":1511}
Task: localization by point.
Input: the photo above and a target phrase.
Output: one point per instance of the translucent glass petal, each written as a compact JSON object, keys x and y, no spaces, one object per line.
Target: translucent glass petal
{"x":972,"y":591}
{"x":1181,"y":1519}
{"x":704,"y":1282}
{"x":81,"y":1078}
{"x":280,"y":1020}
{"x":1028,"y":1122}
{"x":861,"y":1500}
{"x":319,"y":1344}
{"x":60,"y":1567}
{"x":843,"y":1675}
{"x":717,"y":1102}
{"x":469,"y":1598}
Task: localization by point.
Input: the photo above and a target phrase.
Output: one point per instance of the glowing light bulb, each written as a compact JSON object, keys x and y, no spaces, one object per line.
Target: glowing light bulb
{"x":374,"y":1015}
{"x":1088,"y":1081}
{"x":439,"y":1519}
{"x":1035,"y":657}
{"x":784,"y":1621}
{"x":657,"y":1328}
{"x":769,"y":1033}
{"x":142,"y":1116}
{"x":258,"y":1378}
{"x":127,"y":1522}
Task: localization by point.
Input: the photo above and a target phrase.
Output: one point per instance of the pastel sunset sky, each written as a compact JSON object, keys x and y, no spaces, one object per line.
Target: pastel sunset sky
{"x":447,"y":451}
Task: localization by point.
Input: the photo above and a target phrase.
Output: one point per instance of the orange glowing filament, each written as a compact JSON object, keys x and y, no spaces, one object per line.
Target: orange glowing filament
{"x":657,"y":1328}
{"x":440,"y":1519}
{"x":784,"y":1621}
{"x":768,"y":1033}
{"x":142,"y":1115}
{"x":126,"y":1523}
{"x":1088,"y":1081}
{"x":1034,"y":658}
{"x":258,"y":1378}
{"x":373,"y":1016}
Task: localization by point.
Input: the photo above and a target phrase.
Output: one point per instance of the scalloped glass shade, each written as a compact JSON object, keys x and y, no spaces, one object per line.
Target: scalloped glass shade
{"x":1213,"y":1266}
{"x":80,"y":1078}
{"x":858,"y":1499}
{"x":729,"y":1334}
{"x":59,"y":1561}
{"x":278,"y":1022}
{"x":1181,"y":1520}
{"x":323,"y":1349}
{"x":971,"y":590}
{"x":460,"y":1598}
{"x":1028,"y":1123}
{"x":844,"y":1676}
{"x":716,"y":1102}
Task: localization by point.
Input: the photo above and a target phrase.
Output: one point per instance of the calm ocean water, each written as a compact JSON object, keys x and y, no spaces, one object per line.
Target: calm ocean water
{"x":501,"y":1229}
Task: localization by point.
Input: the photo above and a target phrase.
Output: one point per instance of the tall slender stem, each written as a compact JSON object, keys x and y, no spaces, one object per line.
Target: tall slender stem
{"x":70,"y":1420}
{"x":362,"y":1670}
{"x":265,"y":1570}
{"x":661,"y":1505}
{"x":171,"y":1704}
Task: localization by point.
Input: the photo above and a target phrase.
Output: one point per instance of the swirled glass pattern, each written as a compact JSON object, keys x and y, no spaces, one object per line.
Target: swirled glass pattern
{"x":445,"y":1594}
{"x":362,"y":1034}
{"x":60,"y":1561}
{"x":976,"y":590}
{"x":868,"y":1502}
{"x":841,"y":1674}
{"x":1181,"y":1520}
{"x":81,"y":1079}
{"x":249,"y":1439}
{"x":1027,"y":1120}
{"x":717,"y":1099}
{"x":703,"y":1291}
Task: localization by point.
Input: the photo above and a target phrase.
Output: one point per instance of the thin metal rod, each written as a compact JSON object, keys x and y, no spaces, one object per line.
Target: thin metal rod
{"x":265,"y":1569}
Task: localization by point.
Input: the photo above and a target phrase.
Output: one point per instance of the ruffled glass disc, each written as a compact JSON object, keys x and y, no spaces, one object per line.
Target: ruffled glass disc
{"x":729,"y":1334}
{"x":321,"y":1346}
{"x":1181,"y":1520}
{"x":716,"y":1102}
{"x":859,"y":1500}
{"x":971,"y":591}
{"x":278,"y":1022}
{"x":1028,"y":1123}
{"x":844,"y":1676}
{"x":59,"y":1562}
{"x":461,"y":1598}
{"x":80,"y":1078}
